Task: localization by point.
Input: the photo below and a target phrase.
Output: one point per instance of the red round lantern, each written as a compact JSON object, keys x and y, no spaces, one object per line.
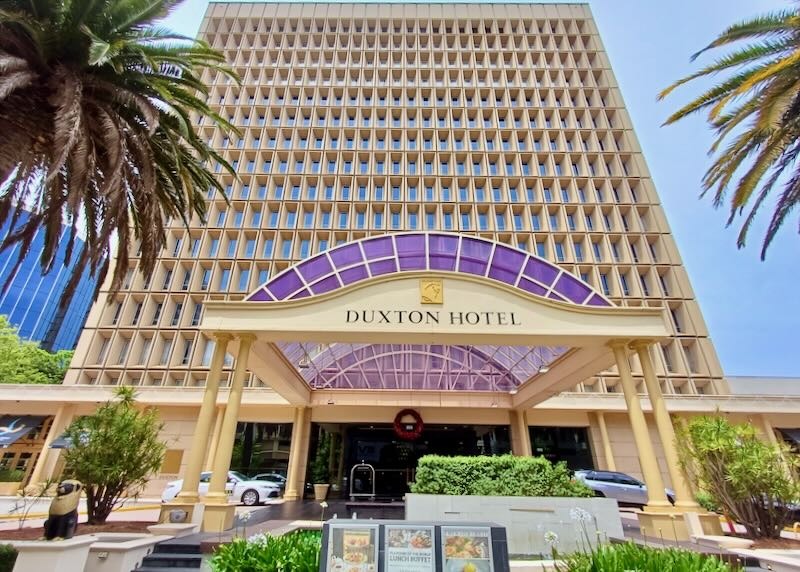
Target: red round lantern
{"x":401,"y":429}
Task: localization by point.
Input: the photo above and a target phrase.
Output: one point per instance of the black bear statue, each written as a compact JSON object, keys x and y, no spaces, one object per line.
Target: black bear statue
{"x":63,"y":515}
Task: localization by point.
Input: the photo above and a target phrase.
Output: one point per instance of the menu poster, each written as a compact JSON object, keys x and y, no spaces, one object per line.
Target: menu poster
{"x":467,"y":549}
{"x":352,"y":548}
{"x":409,"y":548}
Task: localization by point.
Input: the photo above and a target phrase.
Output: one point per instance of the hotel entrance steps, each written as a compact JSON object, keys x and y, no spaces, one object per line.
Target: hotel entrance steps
{"x":176,"y":555}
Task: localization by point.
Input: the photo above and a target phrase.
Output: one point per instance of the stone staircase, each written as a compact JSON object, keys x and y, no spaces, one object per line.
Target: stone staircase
{"x":177,"y":555}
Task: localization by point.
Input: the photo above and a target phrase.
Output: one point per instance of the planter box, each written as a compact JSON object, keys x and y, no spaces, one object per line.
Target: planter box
{"x":526,"y":519}
{"x":120,"y":552}
{"x":61,"y":555}
{"x":9,"y":489}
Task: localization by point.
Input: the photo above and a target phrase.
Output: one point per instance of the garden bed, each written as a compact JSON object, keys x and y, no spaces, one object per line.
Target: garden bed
{"x":775,"y":544}
{"x":36,"y":532}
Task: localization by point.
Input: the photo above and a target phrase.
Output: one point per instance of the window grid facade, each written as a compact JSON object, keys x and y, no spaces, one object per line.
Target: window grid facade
{"x":503,"y":121}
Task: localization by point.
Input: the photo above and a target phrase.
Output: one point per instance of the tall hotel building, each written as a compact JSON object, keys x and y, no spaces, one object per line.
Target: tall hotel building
{"x":439,"y":207}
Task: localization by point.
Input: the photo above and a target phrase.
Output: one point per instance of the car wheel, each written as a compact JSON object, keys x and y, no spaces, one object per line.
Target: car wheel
{"x":250,"y":497}
{"x":274,"y":494}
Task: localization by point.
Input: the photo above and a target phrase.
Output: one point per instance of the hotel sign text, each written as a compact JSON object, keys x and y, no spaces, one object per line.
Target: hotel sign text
{"x":432,"y":317}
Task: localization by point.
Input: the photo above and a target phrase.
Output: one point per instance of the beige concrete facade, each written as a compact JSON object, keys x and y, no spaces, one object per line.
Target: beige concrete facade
{"x":498,"y":121}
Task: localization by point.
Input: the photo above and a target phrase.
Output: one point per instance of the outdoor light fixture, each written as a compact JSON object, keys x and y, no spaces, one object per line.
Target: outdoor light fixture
{"x":543,"y":369}
{"x":330,"y":401}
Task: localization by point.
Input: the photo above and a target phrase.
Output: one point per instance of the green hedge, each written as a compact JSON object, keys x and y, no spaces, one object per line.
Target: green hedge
{"x":8,"y":556}
{"x":505,"y":475}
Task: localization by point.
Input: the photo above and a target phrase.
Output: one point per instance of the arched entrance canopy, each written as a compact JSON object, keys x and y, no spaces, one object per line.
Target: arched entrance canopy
{"x":427,"y":251}
{"x":363,"y":317}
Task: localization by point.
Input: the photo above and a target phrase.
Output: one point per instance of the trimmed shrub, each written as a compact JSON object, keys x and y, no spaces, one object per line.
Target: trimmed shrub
{"x":631,"y":556}
{"x":11,"y":476}
{"x":504,"y":475}
{"x":293,"y":552}
{"x":8,"y":557}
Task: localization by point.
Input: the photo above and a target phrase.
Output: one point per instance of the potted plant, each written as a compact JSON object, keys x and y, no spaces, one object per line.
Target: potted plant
{"x":320,"y":476}
{"x":10,"y":481}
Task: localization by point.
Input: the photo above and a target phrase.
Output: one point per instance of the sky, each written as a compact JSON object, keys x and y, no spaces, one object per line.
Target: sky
{"x":751,"y":307}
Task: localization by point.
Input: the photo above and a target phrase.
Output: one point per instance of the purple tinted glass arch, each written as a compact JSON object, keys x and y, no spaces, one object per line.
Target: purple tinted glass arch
{"x":419,"y":251}
{"x":418,"y":366}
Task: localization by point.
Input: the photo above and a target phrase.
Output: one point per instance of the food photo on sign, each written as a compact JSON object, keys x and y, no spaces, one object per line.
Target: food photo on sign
{"x":467,"y":549}
{"x":353,"y":549}
{"x":409,"y":548}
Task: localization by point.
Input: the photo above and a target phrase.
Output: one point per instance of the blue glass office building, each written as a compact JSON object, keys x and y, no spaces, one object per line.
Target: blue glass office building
{"x":31,"y":301}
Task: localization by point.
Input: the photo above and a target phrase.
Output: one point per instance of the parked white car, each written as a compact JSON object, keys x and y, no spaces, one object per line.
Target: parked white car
{"x":249,"y":492}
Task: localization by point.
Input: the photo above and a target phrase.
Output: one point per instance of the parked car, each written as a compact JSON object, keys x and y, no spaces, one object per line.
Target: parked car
{"x":250,"y":492}
{"x":276,"y":478}
{"x":626,"y":489}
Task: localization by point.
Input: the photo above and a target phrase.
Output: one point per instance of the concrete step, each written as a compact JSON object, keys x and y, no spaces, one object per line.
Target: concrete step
{"x":172,"y":560}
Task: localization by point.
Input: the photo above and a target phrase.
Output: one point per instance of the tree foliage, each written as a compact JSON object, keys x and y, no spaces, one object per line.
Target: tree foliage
{"x":96,"y":127}
{"x":114,"y":452}
{"x":753,"y":481}
{"x":755,"y":111}
{"x":25,"y":362}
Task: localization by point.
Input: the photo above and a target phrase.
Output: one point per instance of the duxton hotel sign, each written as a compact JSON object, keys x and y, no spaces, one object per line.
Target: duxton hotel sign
{"x":432,"y":318}
{"x":431,"y":292}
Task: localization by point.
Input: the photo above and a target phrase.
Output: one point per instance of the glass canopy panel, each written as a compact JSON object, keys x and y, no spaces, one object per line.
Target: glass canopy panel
{"x":413,"y":252}
{"x":418,"y":366}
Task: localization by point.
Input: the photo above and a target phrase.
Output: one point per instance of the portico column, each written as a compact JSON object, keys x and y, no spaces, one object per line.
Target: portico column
{"x":520,"y":435}
{"x":60,"y":422}
{"x":769,"y":431}
{"x":212,"y":446}
{"x":608,"y":452}
{"x":683,"y":494}
{"x":298,"y":450}
{"x":197,"y":451}
{"x":227,"y":436}
{"x":656,"y":497}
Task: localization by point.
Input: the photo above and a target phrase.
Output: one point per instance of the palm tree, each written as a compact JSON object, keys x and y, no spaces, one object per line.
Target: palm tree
{"x":96,"y":129}
{"x":755,"y":112}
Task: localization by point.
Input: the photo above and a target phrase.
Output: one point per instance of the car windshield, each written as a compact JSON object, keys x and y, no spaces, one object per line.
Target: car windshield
{"x":237,"y":476}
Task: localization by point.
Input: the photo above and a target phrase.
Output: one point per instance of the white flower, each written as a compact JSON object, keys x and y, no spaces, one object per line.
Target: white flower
{"x":580,"y":515}
{"x":245,"y":516}
{"x":323,"y":504}
{"x":551,"y":538}
{"x":260,"y":539}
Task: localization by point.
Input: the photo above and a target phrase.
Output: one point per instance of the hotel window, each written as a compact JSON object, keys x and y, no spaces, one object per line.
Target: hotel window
{"x":232,"y":248}
{"x":225,"y":278}
{"x":623,"y":280}
{"x":465,"y":221}
{"x":559,"y":251}
{"x":198,"y":310}
{"x":166,"y":349}
{"x":343,"y":219}
{"x":208,"y":351}
{"x":123,"y":350}
{"x":536,"y":222}
{"x":286,"y":248}
{"x":674,"y":312}
{"x":157,"y":313}
{"x":412,"y":221}
{"x":268,"y":245}
{"x":187,"y":276}
{"x":206,"y":279}
{"x":187,"y":351}
{"x":328,"y":192}
{"x":291,"y":219}
{"x":500,"y":221}
{"x":378,"y":220}
{"x":117,"y":312}
{"x":643,"y":282}
{"x":483,"y":221}
{"x":136,"y":313}
{"x":176,"y":314}
{"x":145,"y":351}
{"x":448,"y":221}
{"x":101,"y":354}
{"x":540,"y":250}
{"x":305,"y":248}
{"x":360,"y":219}
{"x":323,"y":245}
{"x":604,"y":284}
